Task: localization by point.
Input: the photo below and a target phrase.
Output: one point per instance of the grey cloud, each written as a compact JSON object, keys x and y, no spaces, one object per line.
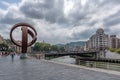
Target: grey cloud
{"x":92,"y":23}
{"x":50,"y":10}
{"x":3,"y":26}
{"x":80,"y":16}
{"x":10,"y":18}
{"x":84,"y":35}
{"x":107,"y":30}
{"x":5,"y":30}
{"x":12,"y":21}
{"x":102,"y":3}
{"x":112,"y":20}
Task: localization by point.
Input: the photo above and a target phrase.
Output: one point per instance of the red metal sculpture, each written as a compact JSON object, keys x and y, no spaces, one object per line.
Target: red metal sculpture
{"x":25,"y":31}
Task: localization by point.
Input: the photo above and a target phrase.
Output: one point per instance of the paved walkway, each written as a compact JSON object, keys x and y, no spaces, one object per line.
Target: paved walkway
{"x":32,"y":69}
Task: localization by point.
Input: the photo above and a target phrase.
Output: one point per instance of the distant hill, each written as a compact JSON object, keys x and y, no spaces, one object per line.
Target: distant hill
{"x":61,"y":45}
{"x":79,"y":43}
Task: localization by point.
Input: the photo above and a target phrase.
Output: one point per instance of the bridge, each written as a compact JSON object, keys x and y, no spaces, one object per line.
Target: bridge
{"x":82,"y":54}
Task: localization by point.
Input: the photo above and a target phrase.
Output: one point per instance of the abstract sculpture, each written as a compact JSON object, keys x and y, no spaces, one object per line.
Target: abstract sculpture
{"x":26,"y":29}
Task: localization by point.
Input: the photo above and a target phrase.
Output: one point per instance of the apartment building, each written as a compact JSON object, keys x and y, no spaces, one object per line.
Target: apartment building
{"x":98,"y":41}
{"x":114,"y":42}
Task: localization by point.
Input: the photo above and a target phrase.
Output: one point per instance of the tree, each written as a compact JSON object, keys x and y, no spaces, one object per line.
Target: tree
{"x":54,"y":48}
{"x":47,"y":47}
{"x":62,"y":49}
{"x":8,"y":41}
{"x":41,"y":46}
{"x":36,"y":46}
{"x":3,"y":47}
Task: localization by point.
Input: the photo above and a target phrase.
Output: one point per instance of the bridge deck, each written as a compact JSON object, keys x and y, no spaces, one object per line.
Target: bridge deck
{"x":71,"y":53}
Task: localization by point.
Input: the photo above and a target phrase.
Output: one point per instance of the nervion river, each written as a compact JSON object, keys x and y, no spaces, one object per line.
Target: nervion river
{"x":103,"y":65}
{"x":65,"y":59}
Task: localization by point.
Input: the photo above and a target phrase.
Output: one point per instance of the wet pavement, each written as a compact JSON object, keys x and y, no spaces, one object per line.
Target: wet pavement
{"x":32,"y":69}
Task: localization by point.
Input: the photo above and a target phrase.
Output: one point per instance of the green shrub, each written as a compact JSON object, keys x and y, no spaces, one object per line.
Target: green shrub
{"x":118,"y":51}
{"x":112,"y":50}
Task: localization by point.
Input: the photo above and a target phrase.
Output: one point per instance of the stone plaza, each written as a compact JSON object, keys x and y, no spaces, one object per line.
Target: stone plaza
{"x":33,"y":69}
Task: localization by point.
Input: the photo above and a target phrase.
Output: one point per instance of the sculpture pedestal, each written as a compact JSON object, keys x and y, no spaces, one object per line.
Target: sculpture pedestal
{"x":23,"y":56}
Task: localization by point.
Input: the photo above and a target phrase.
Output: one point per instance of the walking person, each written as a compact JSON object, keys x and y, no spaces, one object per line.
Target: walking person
{"x":12,"y":55}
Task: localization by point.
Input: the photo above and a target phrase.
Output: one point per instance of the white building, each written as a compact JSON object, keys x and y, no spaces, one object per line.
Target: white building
{"x":99,"y":41}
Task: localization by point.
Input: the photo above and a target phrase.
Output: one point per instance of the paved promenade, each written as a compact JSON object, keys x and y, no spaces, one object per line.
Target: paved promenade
{"x":32,"y":69}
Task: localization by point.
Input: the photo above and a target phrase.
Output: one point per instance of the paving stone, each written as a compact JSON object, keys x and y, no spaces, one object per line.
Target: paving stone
{"x":32,"y":69}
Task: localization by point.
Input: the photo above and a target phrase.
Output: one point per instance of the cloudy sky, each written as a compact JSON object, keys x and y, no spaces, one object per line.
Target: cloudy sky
{"x":61,"y":21}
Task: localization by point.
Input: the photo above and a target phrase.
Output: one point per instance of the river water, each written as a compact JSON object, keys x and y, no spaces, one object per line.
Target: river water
{"x":103,"y":65}
{"x":69,"y":60}
{"x":65,"y":59}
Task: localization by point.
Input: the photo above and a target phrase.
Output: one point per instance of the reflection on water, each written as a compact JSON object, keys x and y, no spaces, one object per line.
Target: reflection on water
{"x":69,"y":60}
{"x":65,"y":59}
{"x":103,"y":65}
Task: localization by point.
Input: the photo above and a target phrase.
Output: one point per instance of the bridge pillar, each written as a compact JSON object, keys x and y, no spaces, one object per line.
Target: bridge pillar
{"x":90,"y":63}
{"x":37,"y":55}
{"x":107,"y":64}
{"x":101,"y":54}
{"x":42,"y":56}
